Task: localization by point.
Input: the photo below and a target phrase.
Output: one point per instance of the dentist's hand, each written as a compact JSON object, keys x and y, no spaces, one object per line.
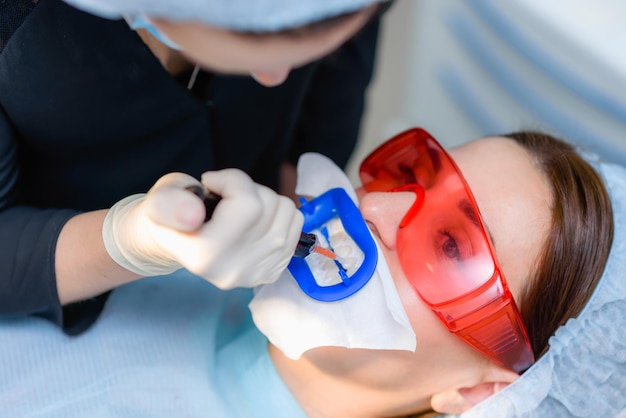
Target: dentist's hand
{"x":249,"y":240}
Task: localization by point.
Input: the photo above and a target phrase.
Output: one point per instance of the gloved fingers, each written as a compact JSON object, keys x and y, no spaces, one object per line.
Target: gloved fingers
{"x":249,"y":240}
{"x":279,"y":240}
{"x":284,"y":221}
{"x":168,"y":204}
{"x":229,"y":183}
{"x":270,"y":245}
{"x":257,"y":257}
{"x":241,"y":209}
{"x":250,"y":215}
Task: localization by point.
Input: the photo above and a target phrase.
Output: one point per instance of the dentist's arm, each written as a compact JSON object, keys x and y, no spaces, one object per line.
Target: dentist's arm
{"x":249,"y":240}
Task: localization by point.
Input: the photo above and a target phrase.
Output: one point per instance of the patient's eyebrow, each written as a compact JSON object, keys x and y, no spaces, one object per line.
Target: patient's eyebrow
{"x":465,"y":206}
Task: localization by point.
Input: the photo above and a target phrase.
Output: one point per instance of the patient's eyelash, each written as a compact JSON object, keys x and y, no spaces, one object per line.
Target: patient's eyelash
{"x":449,"y":247}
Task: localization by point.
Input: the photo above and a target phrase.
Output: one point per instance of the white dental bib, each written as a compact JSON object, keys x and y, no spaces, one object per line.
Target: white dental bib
{"x":373,"y":318}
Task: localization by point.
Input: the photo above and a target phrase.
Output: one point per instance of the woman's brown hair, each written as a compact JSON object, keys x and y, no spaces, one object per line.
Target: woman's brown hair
{"x":577,"y":247}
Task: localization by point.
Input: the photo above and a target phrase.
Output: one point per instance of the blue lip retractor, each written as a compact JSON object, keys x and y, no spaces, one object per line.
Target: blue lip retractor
{"x":335,"y":203}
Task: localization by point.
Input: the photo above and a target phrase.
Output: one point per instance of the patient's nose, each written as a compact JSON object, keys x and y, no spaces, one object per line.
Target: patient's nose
{"x":384,"y":211}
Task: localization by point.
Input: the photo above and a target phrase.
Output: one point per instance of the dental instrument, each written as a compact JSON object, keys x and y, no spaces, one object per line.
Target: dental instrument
{"x":335,"y":209}
{"x":332,"y":206}
{"x":307,"y":244}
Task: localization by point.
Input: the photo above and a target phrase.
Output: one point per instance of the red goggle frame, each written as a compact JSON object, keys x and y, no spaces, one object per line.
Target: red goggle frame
{"x":445,"y":250}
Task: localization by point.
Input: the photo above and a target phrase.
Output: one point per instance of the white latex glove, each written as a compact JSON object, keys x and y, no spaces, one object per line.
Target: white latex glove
{"x":249,"y":240}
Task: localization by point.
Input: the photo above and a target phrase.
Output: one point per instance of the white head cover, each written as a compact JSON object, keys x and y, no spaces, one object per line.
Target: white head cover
{"x":583,"y":374}
{"x":241,"y":15}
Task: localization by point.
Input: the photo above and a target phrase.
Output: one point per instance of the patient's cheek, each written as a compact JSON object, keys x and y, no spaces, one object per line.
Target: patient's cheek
{"x":427,"y":326}
{"x":410,"y":300}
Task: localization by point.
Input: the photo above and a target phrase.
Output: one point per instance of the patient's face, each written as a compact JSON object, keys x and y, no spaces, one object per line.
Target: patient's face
{"x":514,"y":200}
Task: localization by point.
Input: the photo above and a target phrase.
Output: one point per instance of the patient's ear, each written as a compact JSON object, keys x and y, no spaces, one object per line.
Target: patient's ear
{"x":457,"y":400}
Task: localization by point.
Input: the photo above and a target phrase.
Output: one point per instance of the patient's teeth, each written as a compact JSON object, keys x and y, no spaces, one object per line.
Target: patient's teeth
{"x":349,"y":255}
{"x":343,"y":251}
{"x":349,"y":264}
{"x":324,"y":269}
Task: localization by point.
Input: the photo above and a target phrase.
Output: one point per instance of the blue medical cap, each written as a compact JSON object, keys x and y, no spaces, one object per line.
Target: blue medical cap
{"x":241,"y":15}
{"x":583,"y":374}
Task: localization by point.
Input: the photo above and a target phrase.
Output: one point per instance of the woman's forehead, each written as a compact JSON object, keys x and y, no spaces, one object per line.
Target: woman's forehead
{"x":514,"y":199}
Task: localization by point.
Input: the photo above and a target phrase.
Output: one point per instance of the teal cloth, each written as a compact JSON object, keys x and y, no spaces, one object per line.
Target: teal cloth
{"x":170,"y":346}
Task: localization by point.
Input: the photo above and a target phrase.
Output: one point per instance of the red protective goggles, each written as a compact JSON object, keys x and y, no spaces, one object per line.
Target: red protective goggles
{"x":445,"y":250}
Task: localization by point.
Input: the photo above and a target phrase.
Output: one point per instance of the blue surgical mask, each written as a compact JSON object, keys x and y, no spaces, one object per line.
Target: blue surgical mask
{"x":140,"y":21}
